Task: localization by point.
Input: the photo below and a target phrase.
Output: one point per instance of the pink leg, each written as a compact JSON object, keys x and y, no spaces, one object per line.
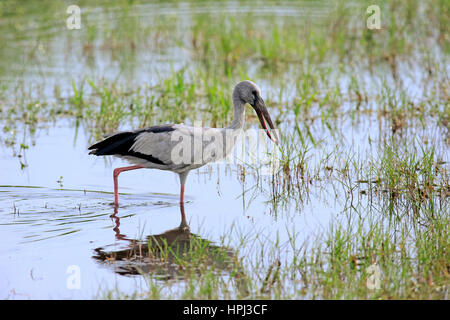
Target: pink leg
{"x":183,"y":216}
{"x":116,"y":173}
{"x":183,"y":223}
{"x":183,"y":177}
{"x":182,"y":194}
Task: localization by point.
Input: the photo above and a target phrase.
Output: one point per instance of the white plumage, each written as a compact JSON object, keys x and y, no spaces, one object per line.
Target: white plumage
{"x":181,"y":148}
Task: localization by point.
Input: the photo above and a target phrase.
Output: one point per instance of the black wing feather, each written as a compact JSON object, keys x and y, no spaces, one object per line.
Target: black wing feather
{"x":118,"y":143}
{"x":121,"y":143}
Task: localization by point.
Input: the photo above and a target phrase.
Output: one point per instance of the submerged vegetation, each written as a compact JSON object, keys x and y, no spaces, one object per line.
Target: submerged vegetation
{"x":364,"y":116}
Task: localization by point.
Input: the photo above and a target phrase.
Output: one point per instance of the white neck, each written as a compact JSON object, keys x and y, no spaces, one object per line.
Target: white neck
{"x":239,"y":114}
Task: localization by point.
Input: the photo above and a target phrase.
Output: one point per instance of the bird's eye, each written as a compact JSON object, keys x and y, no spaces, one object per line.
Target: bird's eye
{"x":255,"y":97}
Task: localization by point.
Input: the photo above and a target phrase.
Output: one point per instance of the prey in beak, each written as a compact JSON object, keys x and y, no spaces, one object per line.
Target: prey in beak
{"x":264,"y":117}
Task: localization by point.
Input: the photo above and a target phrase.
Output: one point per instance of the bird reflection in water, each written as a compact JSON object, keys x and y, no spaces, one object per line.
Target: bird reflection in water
{"x":172,"y":255}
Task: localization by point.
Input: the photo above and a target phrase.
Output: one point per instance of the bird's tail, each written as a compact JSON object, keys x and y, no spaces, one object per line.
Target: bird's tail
{"x":119,"y":143}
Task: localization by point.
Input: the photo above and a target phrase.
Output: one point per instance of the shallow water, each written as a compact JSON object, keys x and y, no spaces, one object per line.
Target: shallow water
{"x":52,"y":224}
{"x":56,"y":211}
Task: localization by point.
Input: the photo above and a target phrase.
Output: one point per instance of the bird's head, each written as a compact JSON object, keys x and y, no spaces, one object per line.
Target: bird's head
{"x":248,"y":92}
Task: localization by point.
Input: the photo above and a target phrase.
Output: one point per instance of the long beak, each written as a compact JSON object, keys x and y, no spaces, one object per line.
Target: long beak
{"x":263,"y":116}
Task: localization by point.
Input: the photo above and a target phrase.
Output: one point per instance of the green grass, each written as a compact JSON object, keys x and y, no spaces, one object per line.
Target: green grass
{"x":364,"y":116}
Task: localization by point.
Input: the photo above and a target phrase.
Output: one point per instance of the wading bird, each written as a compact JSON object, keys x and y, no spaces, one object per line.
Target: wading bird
{"x":157,"y":147}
